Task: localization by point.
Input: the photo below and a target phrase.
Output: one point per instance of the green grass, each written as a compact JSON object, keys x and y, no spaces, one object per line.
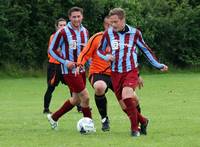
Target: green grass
{"x":171,"y":102}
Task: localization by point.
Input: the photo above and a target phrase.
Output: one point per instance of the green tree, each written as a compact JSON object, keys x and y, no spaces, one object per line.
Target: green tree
{"x":170,"y":27}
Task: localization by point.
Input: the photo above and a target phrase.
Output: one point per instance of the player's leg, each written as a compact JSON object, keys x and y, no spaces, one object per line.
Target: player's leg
{"x":100,"y":88}
{"x":130,"y":101}
{"x":123,"y":85}
{"x":123,"y":107}
{"x":78,"y":106}
{"x":129,"y":107}
{"x":52,"y":82}
{"x":47,"y":98}
{"x":77,"y":86}
{"x":100,"y":84}
{"x":142,"y":120}
{"x":125,"y":94}
{"x":84,"y":97}
{"x":66,"y":107}
{"x":100,"y":98}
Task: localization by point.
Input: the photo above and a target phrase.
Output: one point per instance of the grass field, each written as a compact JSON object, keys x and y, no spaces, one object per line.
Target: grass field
{"x":171,"y":102}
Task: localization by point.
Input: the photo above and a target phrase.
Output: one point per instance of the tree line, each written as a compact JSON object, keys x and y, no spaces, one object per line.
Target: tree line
{"x":170,"y":27}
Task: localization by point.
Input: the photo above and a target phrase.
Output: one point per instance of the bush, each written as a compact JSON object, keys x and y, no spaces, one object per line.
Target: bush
{"x":170,"y":27}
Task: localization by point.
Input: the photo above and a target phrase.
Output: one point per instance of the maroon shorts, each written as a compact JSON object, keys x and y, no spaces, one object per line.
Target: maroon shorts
{"x":121,"y":80}
{"x":75,"y":83}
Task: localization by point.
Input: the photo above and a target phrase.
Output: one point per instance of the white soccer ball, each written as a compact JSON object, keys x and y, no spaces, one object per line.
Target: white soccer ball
{"x":85,"y":125}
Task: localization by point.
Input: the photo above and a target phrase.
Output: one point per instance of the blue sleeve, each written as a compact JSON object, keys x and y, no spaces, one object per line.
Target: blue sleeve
{"x":101,"y":52}
{"x":55,"y":44}
{"x":144,"y":48}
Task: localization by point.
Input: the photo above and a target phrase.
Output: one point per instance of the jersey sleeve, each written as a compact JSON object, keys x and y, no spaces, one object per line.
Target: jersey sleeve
{"x":147,"y":51}
{"x":54,"y":45}
{"x":50,"y":40}
{"x":101,"y":52}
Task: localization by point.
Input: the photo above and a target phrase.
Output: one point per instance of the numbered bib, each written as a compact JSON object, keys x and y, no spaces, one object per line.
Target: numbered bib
{"x":73,"y":44}
{"x":115,"y":44}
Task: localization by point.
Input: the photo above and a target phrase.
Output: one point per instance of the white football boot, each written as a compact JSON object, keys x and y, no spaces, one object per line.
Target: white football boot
{"x":54,"y":124}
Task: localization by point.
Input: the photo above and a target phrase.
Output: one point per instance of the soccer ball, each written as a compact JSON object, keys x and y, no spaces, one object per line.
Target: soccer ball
{"x":85,"y":125}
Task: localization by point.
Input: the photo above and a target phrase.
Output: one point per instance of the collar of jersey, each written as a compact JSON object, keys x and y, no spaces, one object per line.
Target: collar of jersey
{"x":69,"y":24}
{"x":131,"y":30}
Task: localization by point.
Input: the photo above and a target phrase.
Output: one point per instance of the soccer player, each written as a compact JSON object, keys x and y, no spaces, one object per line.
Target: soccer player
{"x":122,"y":40}
{"x":71,"y":39}
{"x":99,"y":74}
{"x":54,"y":75}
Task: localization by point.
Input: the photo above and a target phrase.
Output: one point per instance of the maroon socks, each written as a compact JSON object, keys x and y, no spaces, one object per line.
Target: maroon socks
{"x":86,"y":112}
{"x":132,"y":113}
{"x":67,"y":106}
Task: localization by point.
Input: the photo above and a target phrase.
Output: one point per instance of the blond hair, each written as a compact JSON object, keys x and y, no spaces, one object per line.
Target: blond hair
{"x":119,"y":12}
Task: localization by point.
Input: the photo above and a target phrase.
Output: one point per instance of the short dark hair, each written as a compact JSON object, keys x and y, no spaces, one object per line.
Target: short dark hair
{"x":119,"y":12}
{"x":58,"y":20}
{"x":106,"y":17}
{"x":75,"y":9}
